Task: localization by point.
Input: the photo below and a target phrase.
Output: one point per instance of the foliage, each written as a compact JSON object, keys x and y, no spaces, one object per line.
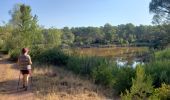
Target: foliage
{"x":52,"y":37}
{"x":123,"y":79}
{"x":102,"y":71}
{"x":161,"y":10}
{"x":83,"y":64}
{"x":163,"y":55}
{"x":162,"y":93}
{"x":102,"y":74}
{"x":14,"y":54}
{"x":160,"y":72}
{"x":109,"y":31}
{"x":141,"y":86}
{"x":36,"y":50}
{"x":52,"y":56}
{"x":25,"y":31}
{"x":67,"y":36}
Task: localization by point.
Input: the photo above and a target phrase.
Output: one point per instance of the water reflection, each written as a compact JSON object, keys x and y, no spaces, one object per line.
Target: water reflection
{"x":132,"y":63}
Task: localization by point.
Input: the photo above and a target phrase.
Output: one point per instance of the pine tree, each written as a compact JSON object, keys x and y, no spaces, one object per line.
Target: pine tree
{"x":141,"y":86}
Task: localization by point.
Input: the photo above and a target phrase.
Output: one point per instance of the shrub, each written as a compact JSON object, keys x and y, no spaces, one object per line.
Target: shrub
{"x":123,"y":79}
{"x":141,"y":87}
{"x":83,"y":64}
{"x":162,"y":93}
{"x":53,"y":56}
{"x":14,"y":54}
{"x":163,"y":55}
{"x":35,"y":51}
{"x":103,"y":75}
{"x":159,"y":71}
{"x":100,"y":69}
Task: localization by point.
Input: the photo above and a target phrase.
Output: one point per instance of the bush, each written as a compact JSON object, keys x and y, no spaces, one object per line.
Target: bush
{"x":14,"y":54}
{"x":162,"y":93}
{"x":52,"y":56}
{"x":103,"y":75}
{"x":163,"y":55}
{"x":83,"y":64}
{"x":35,"y":51}
{"x":159,"y":71}
{"x":141,"y":88}
{"x":102,"y":71}
{"x":123,"y":79}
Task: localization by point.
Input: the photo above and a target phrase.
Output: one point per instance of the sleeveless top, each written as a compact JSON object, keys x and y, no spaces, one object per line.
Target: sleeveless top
{"x":24,"y":62}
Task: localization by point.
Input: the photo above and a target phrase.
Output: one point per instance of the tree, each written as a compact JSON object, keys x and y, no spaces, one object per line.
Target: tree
{"x":161,"y":10}
{"x":67,"y":36}
{"x":52,"y":37}
{"x":15,"y":14}
{"x":109,"y":32}
{"x":5,"y":32}
{"x":26,"y":31}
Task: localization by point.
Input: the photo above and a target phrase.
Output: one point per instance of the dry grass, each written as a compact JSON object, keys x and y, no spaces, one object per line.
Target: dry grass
{"x":52,"y":83}
{"x":109,"y":52}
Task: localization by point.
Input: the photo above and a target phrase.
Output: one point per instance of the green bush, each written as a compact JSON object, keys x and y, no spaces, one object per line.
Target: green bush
{"x":35,"y":51}
{"x":73,"y":64}
{"x":102,"y":71}
{"x":163,"y":55}
{"x":123,"y":79}
{"x":103,"y":75}
{"x":159,"y":71}
{"x":14,"y":54}
{"x":141,"y":86}
{"x":83,"y":64}
{"x":53,"y":56}
{"x":162,"y":93}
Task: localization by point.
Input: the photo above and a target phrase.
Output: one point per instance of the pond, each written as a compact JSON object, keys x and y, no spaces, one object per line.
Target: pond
{"x":132,"y":63}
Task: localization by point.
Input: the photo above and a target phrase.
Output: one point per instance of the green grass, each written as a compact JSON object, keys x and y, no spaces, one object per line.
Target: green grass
{"x":162,"y":55}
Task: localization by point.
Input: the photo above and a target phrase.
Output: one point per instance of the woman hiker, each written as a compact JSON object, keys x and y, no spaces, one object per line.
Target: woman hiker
{"x":24,"y":63}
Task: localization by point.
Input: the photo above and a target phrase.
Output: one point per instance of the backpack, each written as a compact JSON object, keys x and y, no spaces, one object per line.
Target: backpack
{"x":23,"y":60}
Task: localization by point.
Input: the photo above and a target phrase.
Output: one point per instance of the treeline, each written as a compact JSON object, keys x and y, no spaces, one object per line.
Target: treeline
{"x":23,"y":31}
{"x":123,"y":35}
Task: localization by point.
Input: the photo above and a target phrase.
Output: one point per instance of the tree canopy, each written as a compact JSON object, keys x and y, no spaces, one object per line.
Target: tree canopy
{"x":161,"y":10}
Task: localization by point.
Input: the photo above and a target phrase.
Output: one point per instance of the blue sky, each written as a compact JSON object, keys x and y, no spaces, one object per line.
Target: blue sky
{"x":77,"y":13}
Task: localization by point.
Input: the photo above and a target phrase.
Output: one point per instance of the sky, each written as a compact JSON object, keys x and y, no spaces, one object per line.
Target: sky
{"x":78,"y":13}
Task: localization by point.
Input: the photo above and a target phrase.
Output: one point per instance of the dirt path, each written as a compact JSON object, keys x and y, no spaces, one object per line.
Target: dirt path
{"x":9,"y":80}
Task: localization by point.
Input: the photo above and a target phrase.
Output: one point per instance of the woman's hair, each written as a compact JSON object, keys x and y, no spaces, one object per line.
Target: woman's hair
{"x":24,"y":50}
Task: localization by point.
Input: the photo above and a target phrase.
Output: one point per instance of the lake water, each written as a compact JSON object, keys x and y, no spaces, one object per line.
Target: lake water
{"x":133,"y":63}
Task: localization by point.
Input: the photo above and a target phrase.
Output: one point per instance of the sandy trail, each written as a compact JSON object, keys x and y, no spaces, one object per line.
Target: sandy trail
{"x":9,"y":76}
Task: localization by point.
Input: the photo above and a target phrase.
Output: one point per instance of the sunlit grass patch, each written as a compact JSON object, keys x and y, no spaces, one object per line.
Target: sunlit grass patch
{"x":51,"y":82}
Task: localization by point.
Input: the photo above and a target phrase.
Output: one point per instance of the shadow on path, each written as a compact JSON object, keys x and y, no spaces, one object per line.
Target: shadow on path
{"x":10,"y":87}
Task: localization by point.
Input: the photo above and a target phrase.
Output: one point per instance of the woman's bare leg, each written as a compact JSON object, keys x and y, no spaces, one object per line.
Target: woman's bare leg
{"x":25,"y":80}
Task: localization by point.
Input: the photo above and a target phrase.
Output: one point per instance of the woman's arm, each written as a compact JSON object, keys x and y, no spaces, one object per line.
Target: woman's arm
{"x":30,"y":62}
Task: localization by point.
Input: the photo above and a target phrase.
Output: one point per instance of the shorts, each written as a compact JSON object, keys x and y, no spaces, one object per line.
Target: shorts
{"x":25,"y":72}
